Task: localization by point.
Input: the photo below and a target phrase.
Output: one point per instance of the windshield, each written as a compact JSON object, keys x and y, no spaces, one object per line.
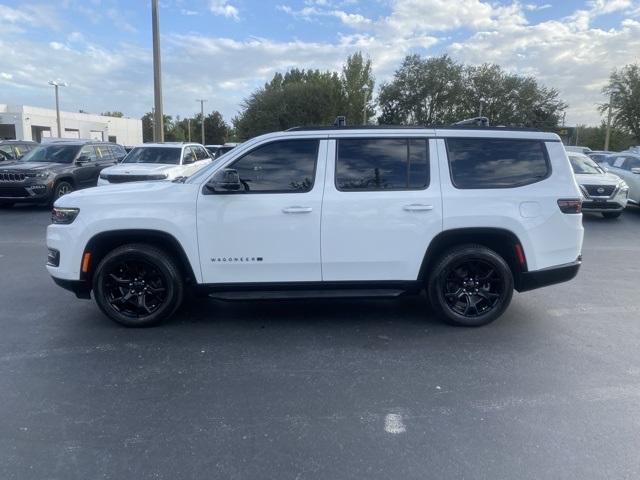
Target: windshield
{"x":584,"y":165}
{"x":52,"y":153}
{"x":160,"y":155}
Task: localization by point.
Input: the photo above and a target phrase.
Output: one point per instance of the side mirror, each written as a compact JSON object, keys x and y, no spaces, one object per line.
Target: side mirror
{"x":188,"y":160}
{"x":635,"y":170}
{"x":83,"y":159}
{"x":226,"y":180}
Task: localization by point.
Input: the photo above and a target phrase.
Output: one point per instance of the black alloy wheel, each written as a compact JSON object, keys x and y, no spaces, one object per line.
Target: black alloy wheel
{"x":470,"y":286}
{"x":138,"y":285}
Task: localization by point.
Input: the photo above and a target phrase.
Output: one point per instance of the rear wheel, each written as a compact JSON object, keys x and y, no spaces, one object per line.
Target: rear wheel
{"x":611,"y":214}
{"x":470,"y":286}
{"x":138,"y":285}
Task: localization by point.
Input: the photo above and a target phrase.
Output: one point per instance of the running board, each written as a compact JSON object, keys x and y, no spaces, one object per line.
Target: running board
{"x":305,"y":294}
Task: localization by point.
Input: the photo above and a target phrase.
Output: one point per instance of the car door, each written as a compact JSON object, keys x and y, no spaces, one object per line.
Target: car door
{"x":381,"y":208}
{"x":632,"y":179}
{"x":269,"y":231}
{"x":87,"y":167}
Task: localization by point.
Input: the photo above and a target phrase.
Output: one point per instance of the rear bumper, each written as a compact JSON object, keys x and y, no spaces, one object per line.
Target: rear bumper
{"x":549,"y":276}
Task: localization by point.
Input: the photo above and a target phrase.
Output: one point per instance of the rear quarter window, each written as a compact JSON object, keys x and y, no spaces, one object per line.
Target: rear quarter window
{"x":496,"y":163}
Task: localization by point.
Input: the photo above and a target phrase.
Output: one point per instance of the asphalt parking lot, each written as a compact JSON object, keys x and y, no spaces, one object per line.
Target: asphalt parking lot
{"x":348,"y":389}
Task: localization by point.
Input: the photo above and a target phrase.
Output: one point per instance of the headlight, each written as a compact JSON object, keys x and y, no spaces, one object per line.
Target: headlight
{"x":64,"y":215}
{"x":37,"y":175}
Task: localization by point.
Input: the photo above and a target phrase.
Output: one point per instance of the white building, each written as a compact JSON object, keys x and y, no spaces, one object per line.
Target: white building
{"x":22,"y":122}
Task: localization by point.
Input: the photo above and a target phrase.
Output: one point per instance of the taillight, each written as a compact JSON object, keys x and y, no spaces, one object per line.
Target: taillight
{"x":570,"y":205}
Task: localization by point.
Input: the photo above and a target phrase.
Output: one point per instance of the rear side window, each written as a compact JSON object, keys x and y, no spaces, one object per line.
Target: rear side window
{"x":382,"y":164}
{"x":496,"y":163}
{"x":280,"y":167}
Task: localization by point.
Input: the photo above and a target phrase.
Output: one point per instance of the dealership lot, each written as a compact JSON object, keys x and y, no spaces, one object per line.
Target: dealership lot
{"x":349,"y":389}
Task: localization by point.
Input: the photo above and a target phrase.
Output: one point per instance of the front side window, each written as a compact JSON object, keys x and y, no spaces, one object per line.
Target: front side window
{"x":496,"y":163}
{"x":279,"y":167}
{"x":201,"y":153}
{"x":88,"y":154}
{"x":631,"y":162}
{"x":382,"y":164}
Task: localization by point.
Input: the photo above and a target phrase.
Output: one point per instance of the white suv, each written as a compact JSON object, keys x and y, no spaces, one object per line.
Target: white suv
{"x":157,"y":161}
{"x":467,"y":213}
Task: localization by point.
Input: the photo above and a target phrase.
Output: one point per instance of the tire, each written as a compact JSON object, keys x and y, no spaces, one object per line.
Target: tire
{"x":61,"y":189}
{"x":470,"y":286}
{"x":138,"y":285}
{"x":611,"y":214}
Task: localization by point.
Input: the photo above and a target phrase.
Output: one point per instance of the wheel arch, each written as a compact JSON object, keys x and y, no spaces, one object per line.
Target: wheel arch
{"x":503,"y":242}
{"x":103,"y":243}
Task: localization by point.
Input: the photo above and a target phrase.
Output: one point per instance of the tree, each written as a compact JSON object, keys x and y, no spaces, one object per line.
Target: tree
{"x":356,"y":74}
{"x":441,"y":91}
{"x":625,"y":108}
{"x":113,"y":114}
{"x":298,"y":98}
{"x":422,"y":92}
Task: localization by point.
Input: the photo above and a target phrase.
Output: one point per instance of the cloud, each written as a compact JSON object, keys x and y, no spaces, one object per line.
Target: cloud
{"x":222,"y":7}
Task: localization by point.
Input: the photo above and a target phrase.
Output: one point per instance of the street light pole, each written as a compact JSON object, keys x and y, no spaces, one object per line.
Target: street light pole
{"x":189,"y":127}
{"x":202,"y":100}
{"x":56,"y":85}
{"x":158,"y":124}
{"x":612,"y":92}
{"x":482,"y":100}
{"x":365,"y":89}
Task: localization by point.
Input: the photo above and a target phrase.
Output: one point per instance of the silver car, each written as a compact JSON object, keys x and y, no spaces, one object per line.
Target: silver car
{"x":626,"y":165}
{"x":602,"y":192}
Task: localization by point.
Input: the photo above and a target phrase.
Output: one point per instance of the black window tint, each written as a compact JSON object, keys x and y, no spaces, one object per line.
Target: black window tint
{"x":279,"y":167}
{"x":382,"y":163}
{"x":495,"y":163}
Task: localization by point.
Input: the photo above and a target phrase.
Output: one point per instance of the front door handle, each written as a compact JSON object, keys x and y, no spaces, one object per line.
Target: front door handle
{"x":417,"y":208}
{"x":297,"y":209}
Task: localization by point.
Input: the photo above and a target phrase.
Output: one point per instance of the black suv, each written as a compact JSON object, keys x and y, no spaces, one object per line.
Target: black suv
{"x":11,"y":150}
{"x":49,"y":171}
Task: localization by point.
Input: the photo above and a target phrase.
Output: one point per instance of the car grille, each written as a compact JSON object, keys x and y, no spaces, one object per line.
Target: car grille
{"x":593,"y":190}
{"x":130,"y":178}
{"x":12,"y":177}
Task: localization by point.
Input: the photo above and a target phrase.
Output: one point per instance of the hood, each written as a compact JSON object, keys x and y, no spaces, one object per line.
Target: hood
{"x":142,"y":169}
{"x":25,"y":167}
{"x":598,"y":179}
{"x":133,"y":193}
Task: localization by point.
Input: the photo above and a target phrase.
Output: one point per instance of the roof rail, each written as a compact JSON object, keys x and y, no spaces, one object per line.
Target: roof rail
{"x":482,"y":121}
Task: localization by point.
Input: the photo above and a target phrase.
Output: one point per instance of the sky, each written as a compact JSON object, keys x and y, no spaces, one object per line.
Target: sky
{"x":224,"y":50}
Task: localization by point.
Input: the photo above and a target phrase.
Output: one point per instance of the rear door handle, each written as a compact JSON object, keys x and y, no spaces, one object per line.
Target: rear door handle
{"x":297,"y":209}
{"x":417,"y":208}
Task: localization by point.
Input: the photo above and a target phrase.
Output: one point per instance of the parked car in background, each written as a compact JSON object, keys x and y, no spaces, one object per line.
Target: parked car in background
{"x":157,"y":161}
{"x":598,"y":156}
{"x":11,"y":150}
{"x":626,"y":165}
{"x":576,"y":148}
{"x":602,"y":192}
{"x":50,"y":171}
{"x":218,"y":150}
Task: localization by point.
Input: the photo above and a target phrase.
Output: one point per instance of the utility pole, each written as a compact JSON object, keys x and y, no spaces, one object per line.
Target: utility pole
{"x":202,"y":100}
{"x":158,"y":123}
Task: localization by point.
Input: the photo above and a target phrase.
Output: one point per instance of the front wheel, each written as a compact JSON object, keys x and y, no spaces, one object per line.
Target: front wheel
{"x":470,"y":286}
{"x":138,"y":285}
